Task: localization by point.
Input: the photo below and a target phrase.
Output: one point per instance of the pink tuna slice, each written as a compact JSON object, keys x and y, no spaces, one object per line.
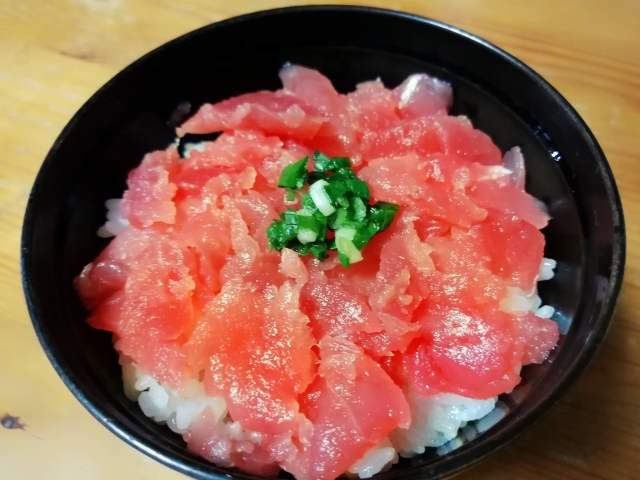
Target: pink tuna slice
{"x":372,"y":107}
{"x":158,"y":292}
{"x":462,"y":275}
{"x":259,"y":355}
{"x":108,"y":273}
{"x":151,"y":190}
{"x":539,"y":336}
{"x":163,"y":360}
{"x":353,"y":405}
{"x":230,"y":154}
{"x":509,"y":200}
{"x":422,"y":95}
{"x":513,"y":161}
{"x":334,"y":311}
{"x":473,"y":352}
{"x":336,"y":137}
{"x":209,"y":437}
{"x":513,"y":247}
{"x":274,"y":113}
{"x":403,"y":180}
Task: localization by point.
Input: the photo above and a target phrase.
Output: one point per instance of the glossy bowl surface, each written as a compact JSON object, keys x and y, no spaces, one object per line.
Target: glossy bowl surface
{"x":137,"y":111}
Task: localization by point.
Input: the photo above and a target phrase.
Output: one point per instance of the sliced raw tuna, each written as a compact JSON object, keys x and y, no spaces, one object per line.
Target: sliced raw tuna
{"x":333,"y":311}
{"x":421,"y":96}
{"x":513,"y":247}
{"x":539,"y":336}
{"x":258,"y":350}
{"x":227,"y":446}
{"x":404,"y":180}
{"x":336,"y":137}
{"x":509,"y":200}
{"x":231,"y":154}
{"x":473,"y":352}
{"x":372,"y":107}
{"x":163,"y":360}
{"x":353,"y":405}
{"x":274,"y":113}
{"x":149,"y":198}
{"x":108,"y":273}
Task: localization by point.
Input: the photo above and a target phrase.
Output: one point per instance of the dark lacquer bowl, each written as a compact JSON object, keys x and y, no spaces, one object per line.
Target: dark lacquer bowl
{"x":137,"y":111}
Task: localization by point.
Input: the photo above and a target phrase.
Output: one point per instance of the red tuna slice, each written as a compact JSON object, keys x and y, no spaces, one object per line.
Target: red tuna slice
{"x":462,"y":276}
{"x":258,"y":214}
{"x":421,"y":96}
{"x":334,"y":311}
{"x":149,"y":198}
{"x":539,"y":336}
{"x":108,"y":273}
{"x":395,"y":337}
{"x":158,"y":292}
{"x":108,"y":314}
{"x":164,"y":361}
{"x":353,"y":405}
{"x":259,"y":355}
{"x":311,"y":86}
{"x":435,"y":134}
{"x":204,"y":227}
{"x":210,"y":438}
{"x":420,"y":135}
{"x":274,"y":113}
{"x":336,"y":137}
{"x":156,"y":298}
{"x":372,"y":107}
{"x":230,"y":153}
{"x":515,"y":248}
{"x":405,"y":264}
{"x":513,"y":161}
{"x":460,"y":138}
{"x":426,"y":226}
{"x":473,"y":352}
{"x":293,"y":267}
{"x":404,"y":180}
{"x":508,"y":200}
{"x":248,"y":263}
{"x":359,"y":279}
{"x":271,"y":167}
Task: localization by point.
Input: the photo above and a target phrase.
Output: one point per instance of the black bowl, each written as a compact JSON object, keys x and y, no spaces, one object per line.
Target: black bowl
{"x":137,"y":111}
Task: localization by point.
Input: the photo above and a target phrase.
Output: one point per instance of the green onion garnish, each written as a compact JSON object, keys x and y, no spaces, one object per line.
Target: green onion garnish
{"x":336,"y":201}
{"x":294,"y":176}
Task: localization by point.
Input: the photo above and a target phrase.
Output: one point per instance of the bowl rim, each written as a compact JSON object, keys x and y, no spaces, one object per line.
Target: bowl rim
{"x":470,"y":456}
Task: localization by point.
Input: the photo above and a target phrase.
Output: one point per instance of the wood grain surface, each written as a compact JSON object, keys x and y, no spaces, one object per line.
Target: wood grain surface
{"x":54,"y":54}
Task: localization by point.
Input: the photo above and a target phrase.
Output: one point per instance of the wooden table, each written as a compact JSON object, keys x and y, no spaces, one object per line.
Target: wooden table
{"x":54,"y":54}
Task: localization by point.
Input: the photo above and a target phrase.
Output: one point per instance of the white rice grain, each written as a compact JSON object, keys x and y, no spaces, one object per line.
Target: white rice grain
{"x":115,"y":223}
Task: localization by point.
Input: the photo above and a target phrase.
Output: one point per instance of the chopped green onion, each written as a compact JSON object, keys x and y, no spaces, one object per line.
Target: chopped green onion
{"x":337,"y":201}
{"x":321,"y":198}
{"x":382,"y":214}
{"x":290,"y":196}
{"x":338,"y":218}
{"x":347,"y":251}
{"x":359,"y":209}
{"x":317,"y":249}
{"x":308,"y":204}
{"x":294,"y":175}
{"x":313,"y":177}
{"x":335,"y":191}
{"x":321,"y":163}
{"x":306,"y":235}
{"x":358,"y":188}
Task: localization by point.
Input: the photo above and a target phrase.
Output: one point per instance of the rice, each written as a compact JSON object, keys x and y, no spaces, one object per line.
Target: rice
{"x":115,"y":223}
